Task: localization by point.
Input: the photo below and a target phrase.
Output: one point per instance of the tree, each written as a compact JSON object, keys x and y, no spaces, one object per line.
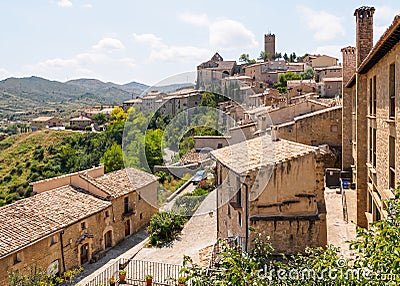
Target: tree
{"x":113,"y":159}
{"x":285,"y":57}
{"x":307,"y":74}
{"x":100,"y":118}
{"x":118,"y":114}
{"x":246,"y":59}
{"x":264,"y":56}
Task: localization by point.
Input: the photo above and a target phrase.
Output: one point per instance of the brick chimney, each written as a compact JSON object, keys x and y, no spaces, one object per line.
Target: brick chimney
{"x":364,"y":32}
{"x":349,"y":63}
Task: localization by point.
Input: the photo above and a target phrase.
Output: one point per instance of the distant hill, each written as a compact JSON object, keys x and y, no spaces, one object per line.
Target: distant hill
{"x":30,"y":94}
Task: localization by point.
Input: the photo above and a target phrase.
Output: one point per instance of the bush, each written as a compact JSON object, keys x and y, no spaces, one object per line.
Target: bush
{"x":164,"y":227}
{"x":88,"y":128}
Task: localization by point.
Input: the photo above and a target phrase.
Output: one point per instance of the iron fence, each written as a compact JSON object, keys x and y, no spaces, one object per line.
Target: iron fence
{"x":136,"y":271}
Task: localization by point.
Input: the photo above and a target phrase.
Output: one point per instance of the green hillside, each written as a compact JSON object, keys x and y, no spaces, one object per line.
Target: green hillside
{"x":25,"y":158}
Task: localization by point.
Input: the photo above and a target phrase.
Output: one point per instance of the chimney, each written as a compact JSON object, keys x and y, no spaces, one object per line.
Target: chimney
{"x":349,"y":63}
{"x":364,"y":32}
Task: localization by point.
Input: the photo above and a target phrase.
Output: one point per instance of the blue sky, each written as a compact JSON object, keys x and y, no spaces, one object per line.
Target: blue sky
{"x":147,"y":41}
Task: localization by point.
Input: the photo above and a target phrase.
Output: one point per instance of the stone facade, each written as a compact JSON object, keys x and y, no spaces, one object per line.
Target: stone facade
{"x":75,"y":218}
{"x":289,"y":207}
{"x":43,"y":122}
{"x":349,"y":68}
{"x":316,"y":128}
{"x":370,"y":94}
{"x":269,"y":45}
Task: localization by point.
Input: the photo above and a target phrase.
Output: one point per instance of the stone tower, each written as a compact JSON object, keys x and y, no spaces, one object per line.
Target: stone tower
{"x":364,"y":32}
{"x":364,"y":44}
{"x":348,"y":70}
{"x":269,"y":45}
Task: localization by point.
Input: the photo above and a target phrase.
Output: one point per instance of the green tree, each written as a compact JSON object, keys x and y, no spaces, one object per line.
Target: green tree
{"x":308,"y":73}
{"x":264,"y":56}
{"x":113,"y":159}
{"x":100,"y":118}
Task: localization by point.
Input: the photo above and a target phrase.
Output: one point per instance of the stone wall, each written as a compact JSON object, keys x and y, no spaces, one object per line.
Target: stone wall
{"x":321,"y":127}
{"x":384,"y":128}
{"x":289,"y":207}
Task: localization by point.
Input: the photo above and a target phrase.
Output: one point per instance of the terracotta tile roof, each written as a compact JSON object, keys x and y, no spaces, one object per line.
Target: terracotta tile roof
{"x":43,"y":119}
{"x":261,"y":151}
{"x":36,"y":217}
{"x":122,"y":182}
{"x":80,"y":118}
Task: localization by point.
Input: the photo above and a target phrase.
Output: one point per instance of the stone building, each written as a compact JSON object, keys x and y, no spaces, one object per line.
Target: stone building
{"x":45,"y":122}
{"x":266,"y":72}
{"x":330,"y":86}
{"x":269,"y":45}
{"x":289,"y":207}
{"x":74,"y":219}
{"x":80,"y":122}
{"x":371,"y":106}
{"x":315,"y":128}
{"x":300,"y":86}
{"x":319,"y":61}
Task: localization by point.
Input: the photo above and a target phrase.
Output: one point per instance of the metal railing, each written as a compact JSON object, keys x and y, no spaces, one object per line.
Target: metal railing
{"x":136,"y":271}
{"x":237,"y":242}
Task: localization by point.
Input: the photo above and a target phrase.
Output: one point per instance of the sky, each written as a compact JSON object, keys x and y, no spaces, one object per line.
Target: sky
{"x":147,"y":41}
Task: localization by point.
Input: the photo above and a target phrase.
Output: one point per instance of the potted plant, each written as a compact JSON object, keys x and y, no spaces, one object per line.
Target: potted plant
{"x":182,"y":281}
{"x":111,"y":281}
{"x":122,"y":275}
{"x":149,"y":279}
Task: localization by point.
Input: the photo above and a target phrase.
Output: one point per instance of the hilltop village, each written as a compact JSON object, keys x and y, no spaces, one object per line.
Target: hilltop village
{"x":285,"y":147}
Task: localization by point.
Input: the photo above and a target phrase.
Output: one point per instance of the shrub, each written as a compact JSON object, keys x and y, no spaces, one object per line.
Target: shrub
{"x":164,"y":227}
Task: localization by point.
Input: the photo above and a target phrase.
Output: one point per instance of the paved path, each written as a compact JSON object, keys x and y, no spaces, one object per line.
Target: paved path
{"x":199,"y":232}
{"x":168,"y":206}
{"x":338,"y":230}
{"x":126,"y":249}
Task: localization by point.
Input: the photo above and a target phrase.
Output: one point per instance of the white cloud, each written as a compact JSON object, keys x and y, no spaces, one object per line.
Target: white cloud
{"x":230,"y":34}
{"x":326,"y":26}
{"x":88,"y":6}
{"x":98,"y":62}
{"x":166,"y":53}
{"x":148,"y":39}
{"x":179,"y":54}
{"x":109,"y":45}
{"x":385,"y":13}
{"x":195,"y":19}
{"x":64,"y":3}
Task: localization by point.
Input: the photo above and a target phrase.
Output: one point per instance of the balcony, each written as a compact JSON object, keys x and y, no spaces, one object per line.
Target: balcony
{"x":128,"y":212}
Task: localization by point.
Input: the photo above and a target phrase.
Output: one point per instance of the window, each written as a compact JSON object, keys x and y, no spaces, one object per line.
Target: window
{"x":374,"y":96}
{"x":239,"y":218}
{"x":141,"y":216}
{"x":139,"y":197}
{"x":392,"y":163}
{"x":334,"y":128}
{"x":107,"y":214}
{"x":370,"y":97}
{"x":229,"y":211}
{"x":53,"y":240}
{"x":17,"y":258}
{"x":83,"y":225}
{"x":126,"y":205}
{"x":219,"y":146}
{"x":392,"y":91}
{"x":372,"y":146}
